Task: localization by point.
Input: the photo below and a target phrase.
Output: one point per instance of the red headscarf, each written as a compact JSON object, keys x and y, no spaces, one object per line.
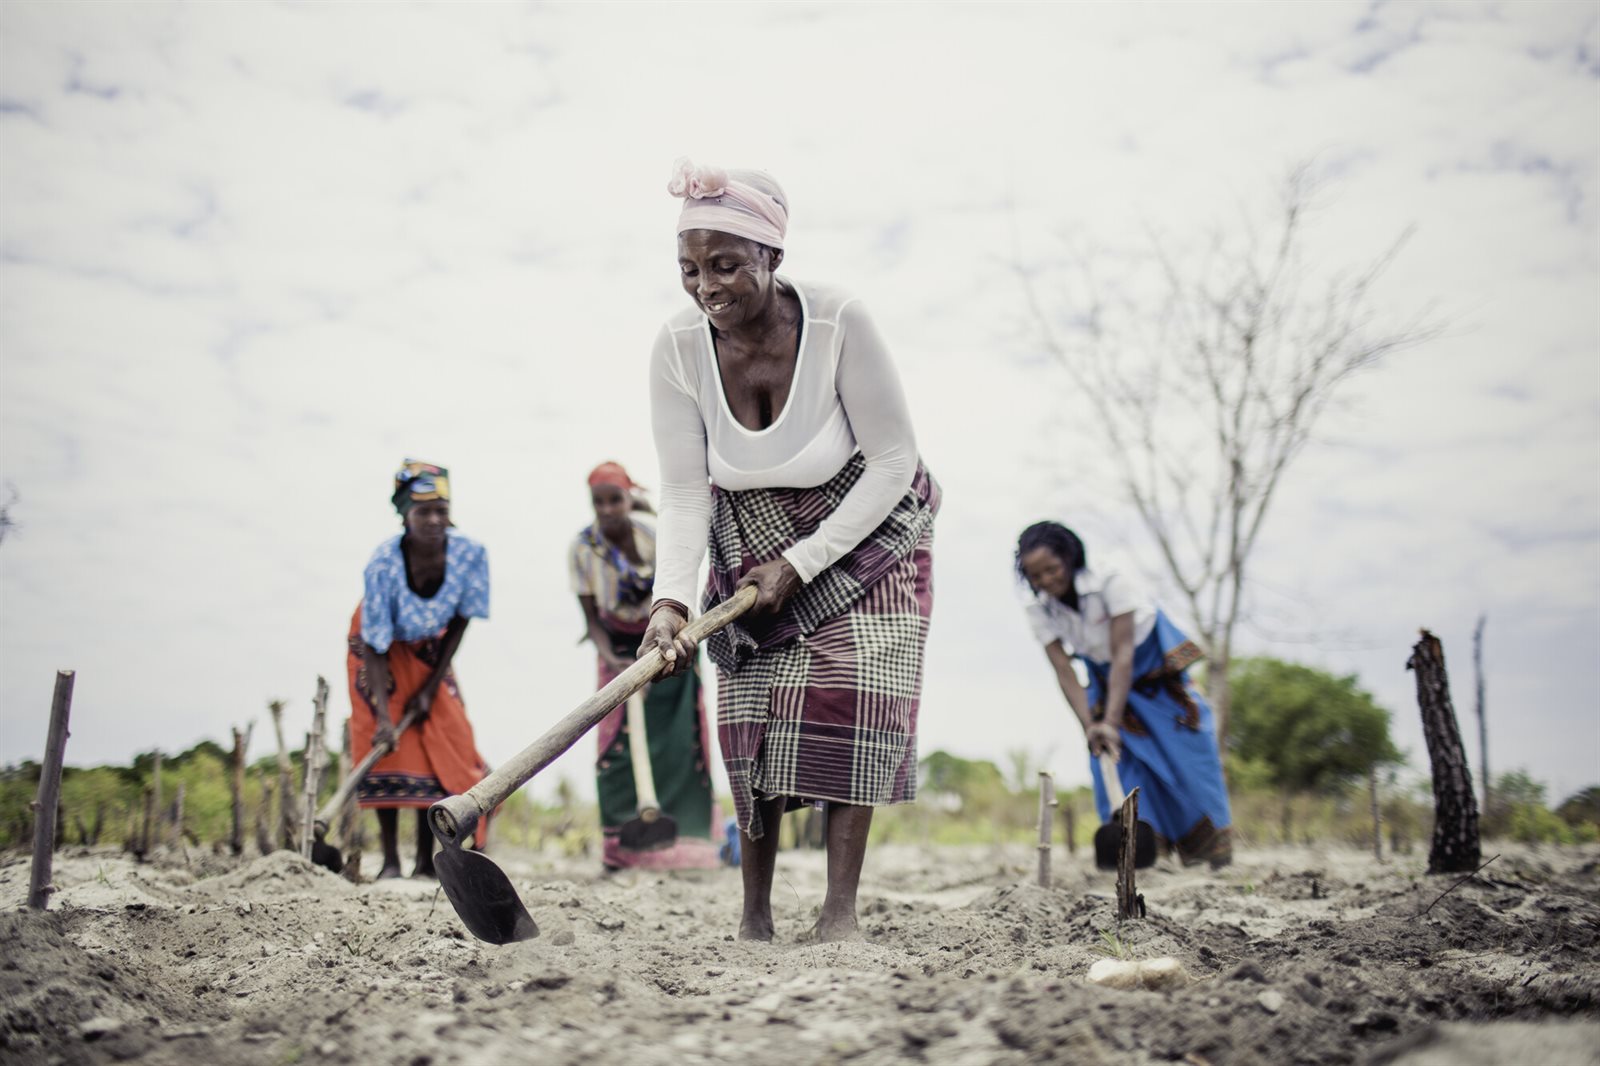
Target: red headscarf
{"x":610,"y":474}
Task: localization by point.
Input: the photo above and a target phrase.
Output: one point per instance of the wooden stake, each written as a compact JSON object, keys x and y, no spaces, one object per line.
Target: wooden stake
{"x":264,"y":816}
{"x":304,"y":801}
{"x":149,"y":823}
{"x":1047,"y":817}
{"x":1377,"y":822}
{"x":177,"y":816}
{"x":1455,"y":825}
{"x":286,"y":817}
{"x":322,"y":751}
{"x":315,"y":763}
{"x":1129,"y":903}
{"x":1071,"y":816}
{"x":152,"y":835}
{"x":349,"y":814}
{"x":241,"y":743}
{"x":45,"y":803}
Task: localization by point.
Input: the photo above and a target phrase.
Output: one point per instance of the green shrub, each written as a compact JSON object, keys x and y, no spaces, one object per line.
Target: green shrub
{"x":1532,"y":823}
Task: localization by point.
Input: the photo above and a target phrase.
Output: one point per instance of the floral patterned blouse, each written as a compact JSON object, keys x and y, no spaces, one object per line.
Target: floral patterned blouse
{"x":390,"y":611}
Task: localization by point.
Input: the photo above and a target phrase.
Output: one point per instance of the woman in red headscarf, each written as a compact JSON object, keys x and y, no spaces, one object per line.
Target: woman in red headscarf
{"x":612,"y":565}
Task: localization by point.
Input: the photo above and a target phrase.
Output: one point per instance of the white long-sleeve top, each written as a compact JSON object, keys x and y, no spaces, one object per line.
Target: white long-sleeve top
{"x":1086,"y":631}
{"x":845,"y":395}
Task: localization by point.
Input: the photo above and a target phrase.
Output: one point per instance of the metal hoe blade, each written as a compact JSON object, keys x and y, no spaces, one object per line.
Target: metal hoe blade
{"x":326,"y":855}
{"x":483,"y":896}
{"x":657,"y":834}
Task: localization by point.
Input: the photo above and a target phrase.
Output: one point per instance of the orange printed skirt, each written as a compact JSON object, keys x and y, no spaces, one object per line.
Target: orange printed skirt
{"x":434,"y":759}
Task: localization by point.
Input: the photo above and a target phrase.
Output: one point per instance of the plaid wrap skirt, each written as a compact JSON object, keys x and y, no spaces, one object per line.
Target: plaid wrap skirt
{"x":820,"y":701}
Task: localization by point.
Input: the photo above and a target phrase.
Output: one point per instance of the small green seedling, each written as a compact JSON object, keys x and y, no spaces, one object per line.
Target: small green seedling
{"x":358,"y":943}
{"x":1111,"y":945}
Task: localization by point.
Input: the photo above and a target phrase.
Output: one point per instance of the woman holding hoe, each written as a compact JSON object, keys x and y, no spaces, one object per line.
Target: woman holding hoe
{"x":612,"y":569}
{"x":787,"y":449}
{"x":1140,"y":708}
{"x":421,"y":587}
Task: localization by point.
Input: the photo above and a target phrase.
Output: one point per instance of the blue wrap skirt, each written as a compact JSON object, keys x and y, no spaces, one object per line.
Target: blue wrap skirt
{"x":1169,"y":748}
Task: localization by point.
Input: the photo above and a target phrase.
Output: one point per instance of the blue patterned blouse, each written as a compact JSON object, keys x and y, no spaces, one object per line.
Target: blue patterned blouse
{"x":390,"y":611}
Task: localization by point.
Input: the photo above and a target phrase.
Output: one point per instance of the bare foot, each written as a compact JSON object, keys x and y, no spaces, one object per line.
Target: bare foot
{"x":424,"y":871}
{"x":831,"y":928}
{"x":756,"y":927}
{"x":390,"y":869}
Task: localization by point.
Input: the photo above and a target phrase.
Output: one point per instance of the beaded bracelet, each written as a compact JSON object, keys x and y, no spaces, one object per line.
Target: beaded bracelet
{"x":682,"y":610}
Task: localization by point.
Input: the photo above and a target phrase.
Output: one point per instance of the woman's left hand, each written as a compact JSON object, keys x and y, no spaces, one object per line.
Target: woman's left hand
{"x":775,"y":582}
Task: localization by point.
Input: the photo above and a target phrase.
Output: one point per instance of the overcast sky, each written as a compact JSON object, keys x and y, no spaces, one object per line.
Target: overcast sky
{"x":252,"y":255}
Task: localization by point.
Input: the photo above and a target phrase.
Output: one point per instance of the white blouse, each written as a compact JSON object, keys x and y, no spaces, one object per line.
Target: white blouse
{"x":845,"y":395}
{"x":1087,"y":632}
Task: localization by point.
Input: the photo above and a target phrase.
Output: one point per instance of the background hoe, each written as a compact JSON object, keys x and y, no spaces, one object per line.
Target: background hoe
{"x":322,"y":852}
{"x":651,"y":829}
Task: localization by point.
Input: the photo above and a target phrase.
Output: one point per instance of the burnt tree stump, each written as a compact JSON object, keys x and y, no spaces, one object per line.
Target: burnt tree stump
{"x":1455,"y":823}
{"x":1483,"y":722}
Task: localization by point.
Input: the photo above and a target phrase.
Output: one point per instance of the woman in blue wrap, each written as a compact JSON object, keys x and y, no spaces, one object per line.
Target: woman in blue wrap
{"x":1140,"y":707}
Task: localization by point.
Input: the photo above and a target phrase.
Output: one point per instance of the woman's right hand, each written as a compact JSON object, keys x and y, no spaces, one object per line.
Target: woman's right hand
{"x":663,"y":635}
{"x":383,"y":734}
{"x":1103,"y":737}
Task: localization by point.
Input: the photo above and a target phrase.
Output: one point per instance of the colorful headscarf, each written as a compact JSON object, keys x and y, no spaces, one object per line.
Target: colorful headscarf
{"x":611,"y":474}
{"x":746,"y":203}
{"x":417,"y":482}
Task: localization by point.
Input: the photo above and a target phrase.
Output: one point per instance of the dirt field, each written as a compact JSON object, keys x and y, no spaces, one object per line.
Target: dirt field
{"x":1304,"y":956}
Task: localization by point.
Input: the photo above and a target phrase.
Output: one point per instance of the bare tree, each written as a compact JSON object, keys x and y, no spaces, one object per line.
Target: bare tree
{"x":1205,"y":375}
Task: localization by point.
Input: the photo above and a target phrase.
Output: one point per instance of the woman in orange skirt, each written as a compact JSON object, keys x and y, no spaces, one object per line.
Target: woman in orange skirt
{"x":421,"y":588}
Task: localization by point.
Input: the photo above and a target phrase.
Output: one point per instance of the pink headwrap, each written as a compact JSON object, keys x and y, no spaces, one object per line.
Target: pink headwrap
{"x":746,"y":203}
